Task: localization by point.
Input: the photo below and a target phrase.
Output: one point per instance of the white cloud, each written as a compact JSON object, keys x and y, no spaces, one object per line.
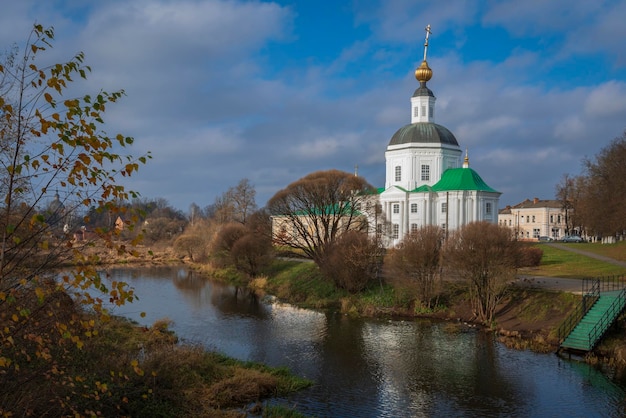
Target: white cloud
{"x":608,"y":99}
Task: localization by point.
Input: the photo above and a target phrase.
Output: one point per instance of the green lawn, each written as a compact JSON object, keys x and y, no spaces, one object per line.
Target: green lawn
{"x":616,"y":251}
{"x":562,"y":263}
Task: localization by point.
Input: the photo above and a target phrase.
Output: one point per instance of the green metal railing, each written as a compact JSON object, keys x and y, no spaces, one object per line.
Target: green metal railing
{"x":591,"y":289}
{"x":608,"y":318}
{"x":591,"y":293}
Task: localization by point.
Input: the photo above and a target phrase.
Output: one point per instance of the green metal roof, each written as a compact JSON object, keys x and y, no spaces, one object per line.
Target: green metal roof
{"x":424,"y":188}
{"x":461,"y":179}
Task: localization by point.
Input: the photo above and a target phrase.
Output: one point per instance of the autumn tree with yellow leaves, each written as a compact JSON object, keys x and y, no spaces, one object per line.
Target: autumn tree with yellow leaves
{"x":53,"y":145}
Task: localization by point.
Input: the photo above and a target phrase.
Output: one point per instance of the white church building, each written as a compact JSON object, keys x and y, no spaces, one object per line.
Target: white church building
{"x":426,"y":183}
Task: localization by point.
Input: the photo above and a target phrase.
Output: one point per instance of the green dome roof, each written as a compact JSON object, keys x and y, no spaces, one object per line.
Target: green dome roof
{"x":461,"y":179}
{"x":423,"y":132}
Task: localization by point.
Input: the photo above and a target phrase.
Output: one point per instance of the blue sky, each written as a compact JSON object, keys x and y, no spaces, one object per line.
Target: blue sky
{"x":219,"y":91}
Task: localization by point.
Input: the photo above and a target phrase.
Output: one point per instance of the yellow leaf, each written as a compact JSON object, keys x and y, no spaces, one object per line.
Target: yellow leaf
{"x":15,"y":318}
{"x":40,"y":294}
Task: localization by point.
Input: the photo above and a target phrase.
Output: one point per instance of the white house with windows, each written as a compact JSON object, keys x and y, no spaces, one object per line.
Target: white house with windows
{"x":426,"y":184}
{"x":535,"y":218}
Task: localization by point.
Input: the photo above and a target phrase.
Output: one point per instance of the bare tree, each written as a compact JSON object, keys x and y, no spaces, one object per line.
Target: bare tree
{"x":252,"y":253}
{"x":415,"y":263}
{"x":236,"y":204}
{"x":243,"y":196}
{"x":352,"y":261}
{"x":312,"y":212}
{"x":604,"y":193}
{"x":486,"y":256}
{"x":195,"y":213}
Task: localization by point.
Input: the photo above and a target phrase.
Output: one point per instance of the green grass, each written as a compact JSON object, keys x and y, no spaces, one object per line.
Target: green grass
{"x":562,"y":263}
{"x":616,"y":251}
{"x":302,"y":283}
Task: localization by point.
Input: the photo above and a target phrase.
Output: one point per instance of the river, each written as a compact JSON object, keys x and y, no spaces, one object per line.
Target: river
{"x":373,"y":368}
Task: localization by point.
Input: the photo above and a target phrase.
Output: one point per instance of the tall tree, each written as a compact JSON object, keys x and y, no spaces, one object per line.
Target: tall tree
{"x":244,"y":200}
{"x":486,"y":256}
{"x":605,"y":190}
{"x":52,"y":144}
{"x":311,"y":213}
{"x":236,"y":204}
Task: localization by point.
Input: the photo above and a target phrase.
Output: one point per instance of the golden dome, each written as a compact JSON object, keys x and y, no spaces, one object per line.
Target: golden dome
{"x":423,"y":73}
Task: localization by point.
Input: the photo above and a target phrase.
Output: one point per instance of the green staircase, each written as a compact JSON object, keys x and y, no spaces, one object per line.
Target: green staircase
{"x":603,"y":301}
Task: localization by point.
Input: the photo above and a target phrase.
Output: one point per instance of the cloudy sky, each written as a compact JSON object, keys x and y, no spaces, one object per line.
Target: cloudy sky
{"x":219,"y":91}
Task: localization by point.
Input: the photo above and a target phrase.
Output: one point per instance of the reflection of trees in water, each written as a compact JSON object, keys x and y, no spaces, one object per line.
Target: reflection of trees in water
{"x":230,"y":300}
{"x":188,"y":280}
{"x":233,"y":300}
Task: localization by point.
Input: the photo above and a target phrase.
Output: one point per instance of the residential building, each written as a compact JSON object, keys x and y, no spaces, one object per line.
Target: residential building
{"x":535,"y":218}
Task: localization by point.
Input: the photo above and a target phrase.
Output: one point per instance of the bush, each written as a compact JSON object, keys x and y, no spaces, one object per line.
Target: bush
{"x":529,"y":256}
{"x":351,"y":261}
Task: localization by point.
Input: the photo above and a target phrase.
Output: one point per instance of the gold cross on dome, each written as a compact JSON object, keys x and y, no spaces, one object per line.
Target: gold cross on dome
{"x":428,"y":32}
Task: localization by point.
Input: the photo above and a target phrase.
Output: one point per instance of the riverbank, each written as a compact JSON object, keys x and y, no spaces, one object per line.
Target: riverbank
{"x":527,"y":317}
{"x":119,"y":368}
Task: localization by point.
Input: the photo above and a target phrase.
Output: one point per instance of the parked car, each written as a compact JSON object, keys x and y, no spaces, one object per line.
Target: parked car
{"x":544,"y":238}
{"x":572,"y":238}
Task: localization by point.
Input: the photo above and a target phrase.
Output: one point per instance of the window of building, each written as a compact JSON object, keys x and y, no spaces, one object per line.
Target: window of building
{"x":413,"y":207}
{"x":551,"y":219}
{"x":558,"y":219}
{"x":535,"y":232}
{"x":425,"y":172}
{"x":444,"y":207}
{"x":527,"y":218}
{"x":413,"y":227}
{"x":510,"y":222}
{"x":396,"y":231}
{"x":533,"y":218}
{"x":488,"y":208}
{"x":379,"y":229}
{"x":423,"y":110}
{"x":432,"y":111}
{"x":396,"y":208}
{"x":398,"y":173}
{"x":416,"y":111}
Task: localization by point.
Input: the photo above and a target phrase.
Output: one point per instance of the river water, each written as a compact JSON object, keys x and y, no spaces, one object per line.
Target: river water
{"x":373,"y":368}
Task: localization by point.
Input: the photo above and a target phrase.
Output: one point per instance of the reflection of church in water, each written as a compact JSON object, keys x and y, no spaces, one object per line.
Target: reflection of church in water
{"x":425,"y":182}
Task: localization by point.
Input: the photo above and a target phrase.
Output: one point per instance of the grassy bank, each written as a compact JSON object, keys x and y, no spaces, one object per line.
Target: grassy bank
{"x":528,"y":314}
{"x":128,"y":370}
{"x":562,"y":263}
